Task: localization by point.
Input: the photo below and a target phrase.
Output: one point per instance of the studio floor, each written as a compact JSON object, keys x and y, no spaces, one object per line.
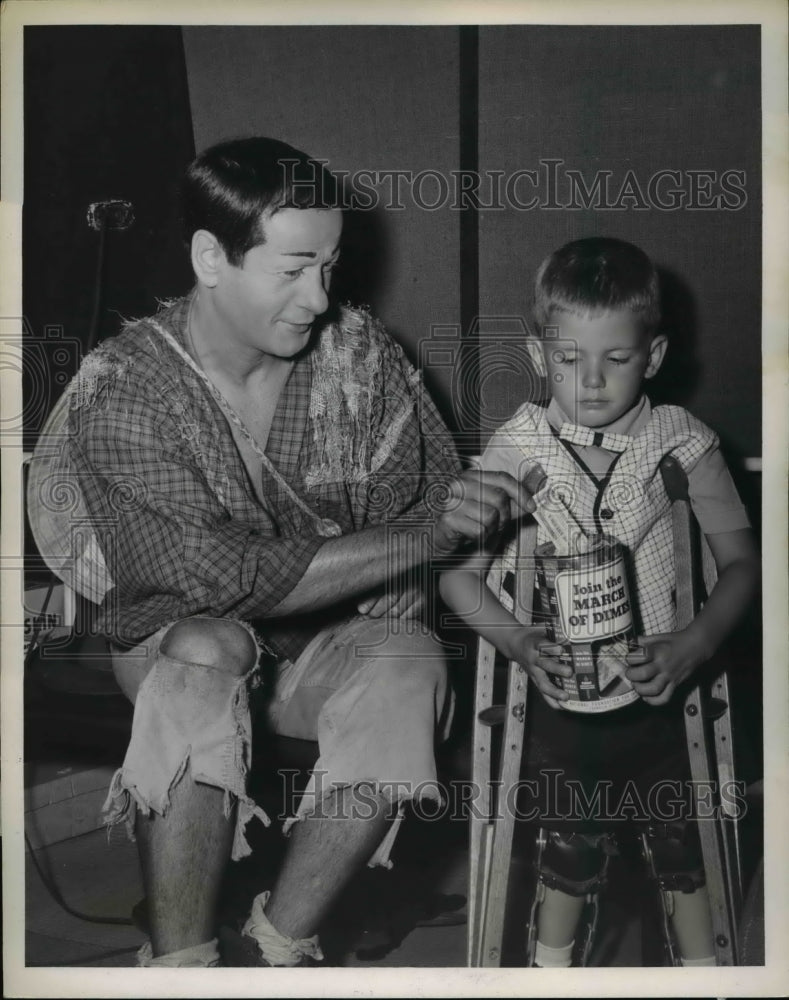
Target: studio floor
{"x":412,"y":915}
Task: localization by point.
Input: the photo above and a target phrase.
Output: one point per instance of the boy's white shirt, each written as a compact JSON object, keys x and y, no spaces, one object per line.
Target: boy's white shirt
{"x":630,"y":423}
{"x":634,"y":492}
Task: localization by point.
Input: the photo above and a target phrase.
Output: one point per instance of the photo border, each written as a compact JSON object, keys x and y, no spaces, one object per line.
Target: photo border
{"x":740,"y":981}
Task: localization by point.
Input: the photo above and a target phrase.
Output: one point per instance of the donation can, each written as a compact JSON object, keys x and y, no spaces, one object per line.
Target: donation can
{"x":586,"y":601}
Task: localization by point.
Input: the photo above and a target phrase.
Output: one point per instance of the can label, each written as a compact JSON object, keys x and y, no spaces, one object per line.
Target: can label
{"x":594,"y":603}
{"x":587,"y":601}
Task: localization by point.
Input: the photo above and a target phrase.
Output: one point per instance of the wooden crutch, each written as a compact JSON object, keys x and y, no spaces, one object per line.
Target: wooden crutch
{"x":492,"y":820}
{"x":707,"y":706}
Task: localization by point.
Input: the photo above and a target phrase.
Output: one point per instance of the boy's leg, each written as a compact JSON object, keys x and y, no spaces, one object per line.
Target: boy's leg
{"x":571,"y":872}
{"x":187,"y":738}
{"x":674,"y":856}
{"x":692,"y":923}
{"x":557,"y":924}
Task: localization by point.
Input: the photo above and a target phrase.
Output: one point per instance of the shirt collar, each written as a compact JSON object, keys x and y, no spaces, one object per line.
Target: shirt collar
{"x":631,"y":423}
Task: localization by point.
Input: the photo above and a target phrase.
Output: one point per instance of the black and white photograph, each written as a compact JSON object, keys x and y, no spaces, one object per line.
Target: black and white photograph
{"x":394,"y":439}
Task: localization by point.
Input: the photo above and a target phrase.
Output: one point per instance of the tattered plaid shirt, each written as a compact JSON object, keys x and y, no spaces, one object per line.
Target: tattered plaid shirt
{"x":179,"y":525}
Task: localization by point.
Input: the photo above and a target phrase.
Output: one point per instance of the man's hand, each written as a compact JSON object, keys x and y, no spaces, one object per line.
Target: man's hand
{"x":395,"y":602}
{"x":530,"y":648}
{"x":475,"y":506}
{"x":478,"y":505}
{"x":672,"y":658}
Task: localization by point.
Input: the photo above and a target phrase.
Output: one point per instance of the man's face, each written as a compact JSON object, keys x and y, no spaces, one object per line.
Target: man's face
{"x":597,"y":364}
{"x":271,"y":300}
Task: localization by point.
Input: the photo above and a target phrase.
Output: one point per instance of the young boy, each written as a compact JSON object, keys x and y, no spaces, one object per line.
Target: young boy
{"x":600,"y":442}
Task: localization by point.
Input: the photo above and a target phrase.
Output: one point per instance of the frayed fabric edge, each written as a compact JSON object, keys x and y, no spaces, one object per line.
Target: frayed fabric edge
{"x":123,"y":801}
{"x":247,"y":810}
{"x":381,"y":857}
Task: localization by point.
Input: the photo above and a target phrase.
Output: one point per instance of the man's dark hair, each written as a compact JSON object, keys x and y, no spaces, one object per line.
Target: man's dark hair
{"x":228,"y":187}
{"x":594,"y":275}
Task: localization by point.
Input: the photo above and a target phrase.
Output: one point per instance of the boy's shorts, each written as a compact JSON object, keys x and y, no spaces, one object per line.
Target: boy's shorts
{"x":593,"y":773}
{"x":372,"y":692}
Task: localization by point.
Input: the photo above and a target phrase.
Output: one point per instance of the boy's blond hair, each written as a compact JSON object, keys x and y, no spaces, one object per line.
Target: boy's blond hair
{"x":595,"y":275}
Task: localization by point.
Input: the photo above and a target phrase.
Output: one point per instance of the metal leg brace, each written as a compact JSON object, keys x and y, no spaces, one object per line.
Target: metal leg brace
{"x":587,"y":884}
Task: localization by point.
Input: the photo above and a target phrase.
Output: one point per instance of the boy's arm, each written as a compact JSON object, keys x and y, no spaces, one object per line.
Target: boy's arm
{"x":465,"y":591}
{"x":674,"y":656}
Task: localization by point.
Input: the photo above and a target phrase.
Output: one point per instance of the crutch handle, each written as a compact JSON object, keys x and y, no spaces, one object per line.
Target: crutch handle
{"x":493,"y":716}
{"x":675,"y":479}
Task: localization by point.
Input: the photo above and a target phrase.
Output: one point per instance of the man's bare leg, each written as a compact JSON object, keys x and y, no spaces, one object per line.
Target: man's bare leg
{"x":381,"y":720}
{"x":404,"y":692}
{"x":183,"y":855}
{"x":326,"y":851}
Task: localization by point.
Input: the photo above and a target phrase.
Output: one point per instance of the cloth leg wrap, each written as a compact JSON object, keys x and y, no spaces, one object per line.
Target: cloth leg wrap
{"x":276,"y":948}
{"x":199,"y":956}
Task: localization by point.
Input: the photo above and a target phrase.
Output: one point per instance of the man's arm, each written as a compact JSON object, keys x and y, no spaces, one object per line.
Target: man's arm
{"x":373,"y":564}
{"x":178,"y":551}
{"x":477,"y":506}
{"x":174,"y":551}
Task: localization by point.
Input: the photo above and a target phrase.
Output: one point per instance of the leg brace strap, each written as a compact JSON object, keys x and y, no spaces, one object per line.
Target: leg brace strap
{"x":575,"y":863}
{"x":673,"y":853}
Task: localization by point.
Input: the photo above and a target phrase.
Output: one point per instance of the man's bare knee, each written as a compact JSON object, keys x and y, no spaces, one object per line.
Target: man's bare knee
{"x":211,"y":642}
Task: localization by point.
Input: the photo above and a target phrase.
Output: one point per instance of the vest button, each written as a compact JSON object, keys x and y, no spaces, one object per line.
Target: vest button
{"x":606,"y":514}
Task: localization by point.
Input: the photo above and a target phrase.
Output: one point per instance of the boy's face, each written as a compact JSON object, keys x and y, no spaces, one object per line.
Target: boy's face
{"x":598,"y":362}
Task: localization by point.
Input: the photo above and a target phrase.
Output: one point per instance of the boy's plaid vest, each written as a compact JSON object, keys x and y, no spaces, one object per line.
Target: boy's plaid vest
{"x":630,"y":502}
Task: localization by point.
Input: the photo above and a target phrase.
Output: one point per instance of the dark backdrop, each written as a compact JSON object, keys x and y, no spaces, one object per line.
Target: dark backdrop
{"x":106,"y":116}
{"x":640,"y":99}
{"x":110,"y":112}
{"x":364,"y":98}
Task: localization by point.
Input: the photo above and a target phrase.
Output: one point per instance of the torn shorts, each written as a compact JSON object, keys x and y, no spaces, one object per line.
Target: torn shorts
{"x":372,"y":692}
{"x":186,"y":716}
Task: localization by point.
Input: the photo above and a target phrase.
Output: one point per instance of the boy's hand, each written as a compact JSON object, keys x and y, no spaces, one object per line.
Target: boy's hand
{"x":672,"y":658}
{"x":527,"y":650}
